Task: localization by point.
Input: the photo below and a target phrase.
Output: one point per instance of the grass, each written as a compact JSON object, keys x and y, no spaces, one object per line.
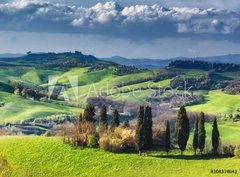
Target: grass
{"x":93,"y":84}
{"x":18,"y":108}
{"x":137,"y":97}
{"x":217,"y":102}
{"x":230,"y":75}
{"x":192,"y":72}
{"x":40,"y":156}
{"x":229,"y":133}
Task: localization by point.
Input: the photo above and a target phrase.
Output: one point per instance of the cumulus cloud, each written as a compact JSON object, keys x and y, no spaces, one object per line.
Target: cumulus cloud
{"x":110,"y":19}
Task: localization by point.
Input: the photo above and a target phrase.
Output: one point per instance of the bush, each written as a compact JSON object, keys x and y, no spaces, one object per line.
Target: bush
{"x":91,"y":141}
{"x":118,"y":141}
{"x":229,"y":150}
{"x":112,"y":144}
{"x":158,"y":136}
{"x":104,"y":143}
{"x":237,"y":152}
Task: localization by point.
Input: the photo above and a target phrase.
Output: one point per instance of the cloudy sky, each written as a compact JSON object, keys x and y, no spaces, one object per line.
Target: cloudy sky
{"x":129,"y":28}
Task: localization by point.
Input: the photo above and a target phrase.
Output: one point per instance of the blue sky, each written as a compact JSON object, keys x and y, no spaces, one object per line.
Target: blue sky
{"x":129,"y":28}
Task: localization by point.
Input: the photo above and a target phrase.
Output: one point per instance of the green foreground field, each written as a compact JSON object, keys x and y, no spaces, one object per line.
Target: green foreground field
{"x":41,"y":156}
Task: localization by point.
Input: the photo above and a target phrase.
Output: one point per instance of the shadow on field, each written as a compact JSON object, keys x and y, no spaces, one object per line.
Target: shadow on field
{"x":193,"y":157}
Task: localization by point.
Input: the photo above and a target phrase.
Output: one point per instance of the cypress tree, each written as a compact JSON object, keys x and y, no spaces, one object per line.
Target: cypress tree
{"x":167,"y":138}
{"x":215,"y":136}
{"x":115,"y":120}
{"x":103,"y":125}
{"x":79,"y":124}
{"x":80,"y":128}
{"x":195,"y":137}
{"x":182,"y":128}
{"x":139,"y":135}
{"x":201,"y":132}
{"x":148,"y":125}
{"x":89,"y":113}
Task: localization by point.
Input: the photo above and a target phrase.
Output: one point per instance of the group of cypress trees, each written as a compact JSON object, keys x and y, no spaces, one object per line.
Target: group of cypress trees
{"x":143,"y":136}
{"x":200,"y":135}
{"x":103,"y":123}
{"x":86,"y":121}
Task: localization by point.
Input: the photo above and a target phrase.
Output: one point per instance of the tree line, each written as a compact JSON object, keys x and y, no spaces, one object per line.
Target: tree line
{"x":87,"y":134}
{"x":204,"y":65}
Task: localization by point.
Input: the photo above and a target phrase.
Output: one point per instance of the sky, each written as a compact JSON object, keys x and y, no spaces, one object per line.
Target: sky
{"x":130,"y":28}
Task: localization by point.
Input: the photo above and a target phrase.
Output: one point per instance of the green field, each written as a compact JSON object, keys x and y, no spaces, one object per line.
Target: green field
{"x":229,"y":133}
{"x":96,"y":83}
{"x":40,"y":156}
{"x":19,"y":108}
{"x":217,"y":102}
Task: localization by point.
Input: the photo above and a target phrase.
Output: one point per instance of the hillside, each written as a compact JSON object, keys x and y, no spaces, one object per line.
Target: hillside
{"x":24,"y":89}
{"x":53,"y":158}
{"x":26,"y":110}
{"x":161,"y":63}
{"x":66,"y":59}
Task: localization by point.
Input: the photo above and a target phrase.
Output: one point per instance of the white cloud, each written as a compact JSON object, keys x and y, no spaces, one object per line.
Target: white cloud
{"x":110,"y":19}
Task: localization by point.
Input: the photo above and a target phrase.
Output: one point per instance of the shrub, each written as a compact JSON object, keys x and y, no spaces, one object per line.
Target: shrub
{"x":229,"y":150}
{"x":104,"y":143}
{"x":128,"y":139}
{"x":91,"y":141}
{"x":116,"y":145}
{"x":112,"y":144}
{"x":158,"y":136}
{"x":237,"y":152}
{"x":118,"y":141}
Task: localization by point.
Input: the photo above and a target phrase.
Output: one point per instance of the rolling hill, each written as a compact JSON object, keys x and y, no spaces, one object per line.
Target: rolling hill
{"x":161,"y":63}
{"x":102,"y":82}
{"x":99,"y":79}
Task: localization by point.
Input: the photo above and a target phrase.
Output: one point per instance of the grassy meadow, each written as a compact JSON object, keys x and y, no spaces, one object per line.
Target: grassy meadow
{"x":18,"y":108}
{"x":217,"y":102}
{"x":53,"y":158}
{"x":50,"y":157}
{"x":92,"y":84}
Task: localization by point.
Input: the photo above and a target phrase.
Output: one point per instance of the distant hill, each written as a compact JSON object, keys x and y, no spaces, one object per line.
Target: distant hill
{"x":143,"y":63}
{"x":58,"y":59}
{"x":160,"y":63}
{"x":10,"y":55}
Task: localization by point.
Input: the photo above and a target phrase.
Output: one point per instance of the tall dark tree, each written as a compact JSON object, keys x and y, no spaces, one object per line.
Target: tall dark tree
{"x":89,"y":113}
{"x":167,"y":138}
{"x":79,"y":127}
{"x":103,"y":125}
{"x":201,"y":132}
{"x":80,"y":124}
{"x":182,"y":128}
{"x":148,"y":126}
{"x":115,"y":120}
{"x":215,"y":136}
{"x":139,"y":135}
{"x":195,"y":137}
